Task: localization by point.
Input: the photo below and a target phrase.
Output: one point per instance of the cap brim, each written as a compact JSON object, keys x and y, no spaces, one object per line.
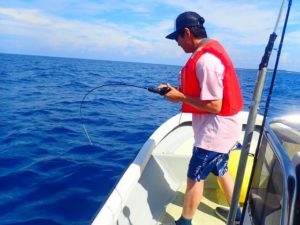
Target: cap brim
{"x":172,"y":36}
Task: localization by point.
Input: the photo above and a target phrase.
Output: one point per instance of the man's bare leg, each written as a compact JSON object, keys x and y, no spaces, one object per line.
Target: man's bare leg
{"x":192,"y":198}
{"x":228,"y":185}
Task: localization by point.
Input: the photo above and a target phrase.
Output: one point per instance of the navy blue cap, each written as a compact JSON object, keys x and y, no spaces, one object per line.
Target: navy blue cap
{"x":186,"y":19}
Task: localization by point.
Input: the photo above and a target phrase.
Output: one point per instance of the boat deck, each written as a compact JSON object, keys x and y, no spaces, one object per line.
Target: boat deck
{"x":152,"y":189}
{"x":173,"y":155}
{"x":205,"y":213}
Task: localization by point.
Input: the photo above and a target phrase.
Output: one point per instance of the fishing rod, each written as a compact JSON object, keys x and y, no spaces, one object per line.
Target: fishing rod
{"x":263,"y":67}
{"x":275,"y":70}
{"x":160,"y":91}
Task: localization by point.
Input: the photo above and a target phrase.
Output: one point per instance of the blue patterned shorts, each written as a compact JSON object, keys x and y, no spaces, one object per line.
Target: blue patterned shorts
{"x":203,"y":162}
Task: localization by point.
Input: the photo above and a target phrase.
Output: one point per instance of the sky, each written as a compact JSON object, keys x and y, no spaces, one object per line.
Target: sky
{"x":135,"y":30}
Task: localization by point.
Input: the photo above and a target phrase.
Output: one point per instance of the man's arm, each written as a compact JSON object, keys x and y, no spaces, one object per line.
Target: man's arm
{"x":211,"y":106}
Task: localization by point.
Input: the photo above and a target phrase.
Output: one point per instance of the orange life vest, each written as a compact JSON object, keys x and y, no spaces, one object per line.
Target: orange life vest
{"x":232,"y":101}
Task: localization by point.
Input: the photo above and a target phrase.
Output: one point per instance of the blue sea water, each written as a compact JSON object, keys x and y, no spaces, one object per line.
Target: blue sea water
{"x":49,"y":173}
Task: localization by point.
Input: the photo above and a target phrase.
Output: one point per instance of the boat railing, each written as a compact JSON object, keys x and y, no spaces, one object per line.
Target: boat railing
{"x":273,"y":193}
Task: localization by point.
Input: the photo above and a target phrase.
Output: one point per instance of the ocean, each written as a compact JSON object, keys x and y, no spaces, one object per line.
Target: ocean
{"x":49,"y":172}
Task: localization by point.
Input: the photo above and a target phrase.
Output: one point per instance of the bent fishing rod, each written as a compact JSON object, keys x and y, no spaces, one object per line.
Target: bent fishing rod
{"x":263,"y":68}
{"x":161,"y":91}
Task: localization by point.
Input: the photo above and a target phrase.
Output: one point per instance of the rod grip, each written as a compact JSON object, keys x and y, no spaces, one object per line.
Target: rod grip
{"x":161,"y":91}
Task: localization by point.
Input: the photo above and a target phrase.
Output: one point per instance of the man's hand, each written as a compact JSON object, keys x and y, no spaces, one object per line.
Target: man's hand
{"x":173,"y":95}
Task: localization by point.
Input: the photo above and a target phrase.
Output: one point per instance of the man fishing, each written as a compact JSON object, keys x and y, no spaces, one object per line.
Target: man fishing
{"x":209,"y":90}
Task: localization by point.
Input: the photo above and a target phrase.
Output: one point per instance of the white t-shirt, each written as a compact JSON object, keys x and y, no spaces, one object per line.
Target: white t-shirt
{"x":213,"y":132}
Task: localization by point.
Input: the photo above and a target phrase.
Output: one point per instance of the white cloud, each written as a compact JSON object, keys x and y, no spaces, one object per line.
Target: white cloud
{"x":232,"y":19}
{"x":95,"y":38}
{"x":242,"y":26}
{"x":28,"y":16}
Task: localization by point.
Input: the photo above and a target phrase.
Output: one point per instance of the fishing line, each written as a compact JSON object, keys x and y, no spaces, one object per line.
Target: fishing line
{"x":161,"y":91}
